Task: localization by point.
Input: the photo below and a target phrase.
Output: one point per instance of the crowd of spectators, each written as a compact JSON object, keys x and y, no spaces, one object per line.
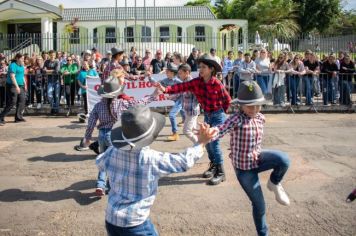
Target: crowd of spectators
{"x":58,"y":78}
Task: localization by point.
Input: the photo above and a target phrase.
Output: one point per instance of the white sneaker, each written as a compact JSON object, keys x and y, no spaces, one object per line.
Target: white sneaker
{"x":39,"y":106}
{"x":281,"y":195}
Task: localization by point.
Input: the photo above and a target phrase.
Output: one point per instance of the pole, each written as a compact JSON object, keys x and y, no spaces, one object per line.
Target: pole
{"x":125,"y":31}
{"x":116,"y":21}
{"x":145,"y":16}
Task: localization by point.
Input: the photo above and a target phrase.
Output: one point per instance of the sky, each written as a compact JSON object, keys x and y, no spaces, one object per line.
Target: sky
{"x":348,"y":4}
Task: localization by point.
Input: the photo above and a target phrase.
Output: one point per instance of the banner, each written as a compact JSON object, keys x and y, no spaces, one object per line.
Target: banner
{"x":137,"y":89}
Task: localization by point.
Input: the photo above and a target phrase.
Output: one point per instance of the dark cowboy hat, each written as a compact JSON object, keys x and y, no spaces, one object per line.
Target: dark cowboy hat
{"x":209,"y":60}
{"x":124,"y":62}
{"x":172,"y":67}
{"x":250,"y":94}
{"x":111,"y":88}
{"x":137,"y":128}
{"x":116,"y":50}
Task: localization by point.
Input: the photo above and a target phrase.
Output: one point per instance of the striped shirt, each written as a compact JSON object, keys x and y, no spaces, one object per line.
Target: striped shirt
{"x":211,"y":95}
{"x":245,"y":139}
{"x":134,"y":176}
{"x":100,"y":112}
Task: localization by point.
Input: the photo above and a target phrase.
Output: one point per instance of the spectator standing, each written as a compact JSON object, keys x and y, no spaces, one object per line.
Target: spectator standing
{"x":213,"y":54}
{"x":51,"y":69}
{"x":82,"y":77}
{"x":347,"y":70}
{"x":297,"y":71}
{"x":158,"y":64}
{"x":329,"y":80}
{"x":69,"y":72}
{"x":263,"y":67}
{"x":15,"y":89}
{"x":3,"y":73}
{"x":311,"y":78}
{"x":192,"y":59}
{"x":279,"y":78}
{"x":146,"y":60}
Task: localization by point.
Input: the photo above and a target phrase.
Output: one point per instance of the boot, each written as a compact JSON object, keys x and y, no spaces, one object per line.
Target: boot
{"x":211,"y":171}
{"x":173,"y":137}
{"x":219,"y":175}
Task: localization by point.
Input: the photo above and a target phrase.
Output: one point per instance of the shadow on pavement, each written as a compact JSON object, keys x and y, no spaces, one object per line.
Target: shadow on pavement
{"x":51,"y":139}
{"x":181,"y":180}
{"x":62,"y":157}
{"x":15,"y":195}
{"x":72,"y":126}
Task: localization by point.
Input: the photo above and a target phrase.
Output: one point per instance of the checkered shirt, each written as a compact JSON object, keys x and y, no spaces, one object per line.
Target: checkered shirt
{"x":245,"y":139}
{"x":112,"y":65}
{"x":211,"y":95}
{"x":190,"y":103}
{"x":134,"y":176}
{"x":100,"y":112}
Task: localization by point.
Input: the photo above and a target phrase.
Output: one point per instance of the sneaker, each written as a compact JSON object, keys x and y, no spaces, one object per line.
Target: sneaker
{"x":30,"y":106}
{"x":281,"y":195}
{"x":20,"y":120}
{"x":39,"y":106}
{"x":180,"y":124}
{"x":81,"y":146}
{"x":100,"y":192}
{"x":2,"y":122}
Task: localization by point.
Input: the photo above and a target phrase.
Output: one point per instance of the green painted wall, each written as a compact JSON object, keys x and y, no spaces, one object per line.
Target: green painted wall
{"x":173,"y":32}
{"x":202,"y":45}
{"x":102,"y":33}
{"x":3,"y":27}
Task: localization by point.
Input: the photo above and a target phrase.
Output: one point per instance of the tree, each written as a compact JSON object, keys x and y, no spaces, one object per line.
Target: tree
{"x":345,"y":24}
{"x":199,"y":3}
{"x":317,"y":14}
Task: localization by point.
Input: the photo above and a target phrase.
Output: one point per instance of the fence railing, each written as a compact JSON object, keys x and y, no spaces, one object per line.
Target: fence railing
{"x":292,"y":92}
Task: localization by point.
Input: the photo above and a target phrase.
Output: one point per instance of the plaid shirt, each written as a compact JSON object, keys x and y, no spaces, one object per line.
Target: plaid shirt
{"x":246,"y":139}
{"x":190,"y":103}
{"x":211,"y":95}
{"x":134,"y":176}
{"x":100,"y":112}
{"x":112,"y":65}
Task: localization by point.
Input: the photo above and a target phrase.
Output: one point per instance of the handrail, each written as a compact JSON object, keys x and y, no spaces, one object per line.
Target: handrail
{"x":22,"y":45}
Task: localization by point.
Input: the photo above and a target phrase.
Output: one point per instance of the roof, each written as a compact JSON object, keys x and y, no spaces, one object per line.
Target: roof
{"x":157,"y":13}
{"x":40,"y":4}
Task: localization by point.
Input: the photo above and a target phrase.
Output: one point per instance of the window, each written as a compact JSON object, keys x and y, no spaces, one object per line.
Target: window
{"x":146,"y":34}
{"x":95,"y":35}
{"x":200,"y":33}
{"x":129,"y":33}
{"x":179,"y":34}
{"x":74,"y":37}
{"x":232,"y":39}
{"x":164,"y":34}
{"x":110,"y":36}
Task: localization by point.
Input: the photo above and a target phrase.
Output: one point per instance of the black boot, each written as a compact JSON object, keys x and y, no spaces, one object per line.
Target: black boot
{"x":219,"y":175}
{"x":211,"y":171}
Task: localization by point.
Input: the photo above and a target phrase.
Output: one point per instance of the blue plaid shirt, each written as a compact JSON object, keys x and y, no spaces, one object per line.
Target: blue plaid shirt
{"x":100,"y":112}
{"x":134,"y":176}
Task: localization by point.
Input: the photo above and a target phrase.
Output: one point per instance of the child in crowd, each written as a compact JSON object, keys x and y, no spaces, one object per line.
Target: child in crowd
{"x":134,"y":169}
{"x":247,"y":156}
{"x":85,"y":71}
{"x":172,"y":79}
{"x":107,"y":111}
{"x":190,"y":105}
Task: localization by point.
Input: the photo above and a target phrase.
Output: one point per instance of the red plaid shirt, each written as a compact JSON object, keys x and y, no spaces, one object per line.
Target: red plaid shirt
{"x":211,"y":95}
{"x":246,"y":139}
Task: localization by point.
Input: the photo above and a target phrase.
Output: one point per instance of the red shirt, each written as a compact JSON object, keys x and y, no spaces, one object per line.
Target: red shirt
{"x":211,"y":95}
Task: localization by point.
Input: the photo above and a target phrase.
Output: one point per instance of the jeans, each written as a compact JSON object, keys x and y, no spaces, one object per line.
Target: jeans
{"x":345,"y":92}
{"x":262,"y":81}
{"x":34,"y":89}
{"x":329,"y":89}
{"x":104,"y":143}
{"x":14,"y":99}
{"x":308,"y":82}
{"x":213,"y":148}
{"x":294,"y":86}
{"x":249,"y":181}
{"x":53,"y":90}
{"x":177,"y":107}
{"x":278,"y":95}
{"x":144,"y":229}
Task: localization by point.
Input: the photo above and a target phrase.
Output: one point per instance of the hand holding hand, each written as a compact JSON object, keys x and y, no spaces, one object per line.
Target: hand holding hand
{"x":205,"y":133}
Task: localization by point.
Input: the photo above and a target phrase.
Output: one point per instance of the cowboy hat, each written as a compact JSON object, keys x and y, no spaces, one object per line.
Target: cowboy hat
{"x":116,"y":50}
{"x":249,"y":94}
{"x":172,"y":67}
{"x":111,"y":88}
{"x":210,"y":60}
{"x":137,"y":128}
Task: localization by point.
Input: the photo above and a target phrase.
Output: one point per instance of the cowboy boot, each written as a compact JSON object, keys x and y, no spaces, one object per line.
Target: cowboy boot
{"x":211,"y":171}
{"x":173,"y":137}
{"x":219,"y":175}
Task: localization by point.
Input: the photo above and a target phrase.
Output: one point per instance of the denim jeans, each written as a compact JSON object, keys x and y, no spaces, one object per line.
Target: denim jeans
{"x":177,"y":107}
{"x":278,"y":95}
{"x":294,"y":86}
{"x":53,"y":90}
{"x":329,"y":89}
{"x":262,"y":81}
{"x":144,"y":229}
{"x":307,"y":83}
{"x":249,"y":181}
{"x":213,"y":148}
{"x":104,"y":143}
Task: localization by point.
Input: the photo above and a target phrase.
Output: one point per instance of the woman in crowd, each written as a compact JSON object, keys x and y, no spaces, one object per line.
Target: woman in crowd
{"x":138,"y":67}
{"x":35,"y":77}
{"x":297,"y":71}
{"x":69,"y":72}
{"x":280,"y":69}
{"x":347,"y":70}
{"x":329,"y":80}
{"x":311,"y":78}
{"x":85,"y":71}
{"x":3,"y":72}
{"x":263,"y":66}
{"x":16,"y":89}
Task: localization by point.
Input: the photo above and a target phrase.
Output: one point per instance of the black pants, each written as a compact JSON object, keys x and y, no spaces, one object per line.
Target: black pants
{"x":70,"y":94}
{"x":84,"y":95}
{"x":35,"y":89}
{"x":2,"y":96}
{"x":14,"y":99}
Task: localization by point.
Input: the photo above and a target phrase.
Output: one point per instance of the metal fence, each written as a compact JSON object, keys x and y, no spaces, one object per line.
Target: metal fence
{"x":314,"y":93}
{"x":182,"y":42}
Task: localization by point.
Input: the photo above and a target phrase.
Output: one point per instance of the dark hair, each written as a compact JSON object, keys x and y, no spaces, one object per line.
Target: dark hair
{"x":17,"y":56}
{"x":213,"y":70}
{"x":229,"y":52}
{"x":247,"y":54}
{"x":51,"y":51}
{"x":185,"y":68}
{"x":179,"y":56}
